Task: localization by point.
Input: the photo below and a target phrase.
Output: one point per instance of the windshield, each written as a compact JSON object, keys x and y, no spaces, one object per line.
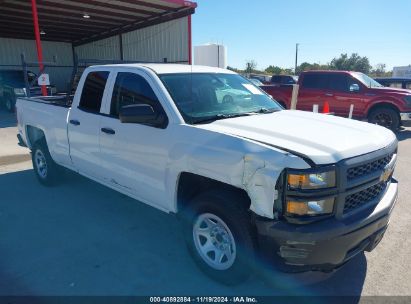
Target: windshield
{"x":367,"y":81}
{"x":202,"y":96}
{"x":256,"y":82}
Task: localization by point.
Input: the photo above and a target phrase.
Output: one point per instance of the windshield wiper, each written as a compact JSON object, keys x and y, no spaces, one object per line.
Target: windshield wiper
{"x":266,"y":111}
{"x":225,"y":116}
{"x":219,"y":117}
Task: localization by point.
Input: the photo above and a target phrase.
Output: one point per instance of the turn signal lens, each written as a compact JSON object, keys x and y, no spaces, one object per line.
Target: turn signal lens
{"x":298,"y":208}
{"x":313,"y":207}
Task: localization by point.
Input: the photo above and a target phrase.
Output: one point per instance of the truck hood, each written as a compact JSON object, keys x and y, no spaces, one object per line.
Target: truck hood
{"x":388,"y":90}
{"x":324,"y":139}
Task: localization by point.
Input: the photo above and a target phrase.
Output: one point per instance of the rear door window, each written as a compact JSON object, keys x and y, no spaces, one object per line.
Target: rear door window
{"x":276,"y":79}
{"x":288,"y":80}
{"x":338,"y":82}
{"x":408,"y":85}
{"x":93,"y":91}
{"x":315,"y":81}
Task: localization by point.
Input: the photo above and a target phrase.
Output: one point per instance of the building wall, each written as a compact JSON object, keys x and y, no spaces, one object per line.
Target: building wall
{"x":155,"y":43}
{"x":151,"y":44}
{"x":11,"y":49}
{"x":214,"y":55}
{"x":108,"y":48}
{"x":404,"y":71}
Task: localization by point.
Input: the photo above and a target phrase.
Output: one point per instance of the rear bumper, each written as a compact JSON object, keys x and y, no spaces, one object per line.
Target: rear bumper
{"x":328,"y":244}
{"x":405,"y":116}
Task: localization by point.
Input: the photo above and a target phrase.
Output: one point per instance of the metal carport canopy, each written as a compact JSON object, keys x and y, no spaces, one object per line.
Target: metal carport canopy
{"x":64,"y":20}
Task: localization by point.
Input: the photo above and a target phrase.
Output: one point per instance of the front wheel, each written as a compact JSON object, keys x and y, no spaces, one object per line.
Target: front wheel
{"x":220,"y":237}
{"x":385,"y":117}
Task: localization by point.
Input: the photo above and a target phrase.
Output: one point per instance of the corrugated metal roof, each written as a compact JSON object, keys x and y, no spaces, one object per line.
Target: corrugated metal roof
{"x":62,"y":20}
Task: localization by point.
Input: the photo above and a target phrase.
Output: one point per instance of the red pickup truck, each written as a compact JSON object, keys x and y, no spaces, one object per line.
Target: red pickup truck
{"x":341,"y":89}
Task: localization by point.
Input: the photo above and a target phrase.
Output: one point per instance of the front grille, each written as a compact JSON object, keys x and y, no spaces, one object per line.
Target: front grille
{"x":368,"y":168}
{"x":363,"y":197}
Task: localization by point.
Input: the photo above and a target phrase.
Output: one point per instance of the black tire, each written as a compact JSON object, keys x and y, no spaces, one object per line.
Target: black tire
{"x":386,"y":117}
{"x":230,"y":209}
{"x":9,"y":104}
{"x":46,"y":170}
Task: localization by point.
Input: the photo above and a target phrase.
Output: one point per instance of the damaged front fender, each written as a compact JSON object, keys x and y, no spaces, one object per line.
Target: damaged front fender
{"x":260,"y":177}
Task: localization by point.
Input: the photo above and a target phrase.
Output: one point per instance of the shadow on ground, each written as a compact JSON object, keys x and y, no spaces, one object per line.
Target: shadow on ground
{"x":81,"y":238}
{"x":403,"y":134}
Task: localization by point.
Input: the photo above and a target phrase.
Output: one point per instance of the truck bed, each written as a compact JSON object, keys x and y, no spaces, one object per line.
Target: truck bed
{"x":48,"y":115}
{"x":57,"y":100}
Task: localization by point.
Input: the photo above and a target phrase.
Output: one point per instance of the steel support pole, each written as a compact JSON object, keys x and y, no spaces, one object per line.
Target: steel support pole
{"x":190,"y":60}
{"x":38,"y":42}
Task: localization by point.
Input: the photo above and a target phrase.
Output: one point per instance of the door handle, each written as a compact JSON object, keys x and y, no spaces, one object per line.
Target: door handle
{"x":329,"y":94}
{"x":108,"y":131}
{"x":74,"y":122}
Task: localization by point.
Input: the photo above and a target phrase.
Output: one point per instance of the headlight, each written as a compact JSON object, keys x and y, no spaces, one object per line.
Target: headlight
{"x":307,"y":181}
{"x":408,"y":100}
{"x":310,"y":207}
{"x":19,"y":91}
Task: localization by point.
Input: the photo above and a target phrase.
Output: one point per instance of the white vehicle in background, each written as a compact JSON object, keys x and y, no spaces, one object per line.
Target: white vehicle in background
{"x":228,"y":94}
{"x":247,"y":179}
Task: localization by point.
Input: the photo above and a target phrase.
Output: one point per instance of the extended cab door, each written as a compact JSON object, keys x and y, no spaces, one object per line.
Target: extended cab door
{"x":312,"y":86}
{"x":134,"y":156}
{"x":84,"y":124}
{"x":344,"y":91}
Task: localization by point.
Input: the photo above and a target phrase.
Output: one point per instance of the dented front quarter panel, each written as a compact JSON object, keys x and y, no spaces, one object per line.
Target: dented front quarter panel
{"x":236,"y":161}
{"x":261,"y":172}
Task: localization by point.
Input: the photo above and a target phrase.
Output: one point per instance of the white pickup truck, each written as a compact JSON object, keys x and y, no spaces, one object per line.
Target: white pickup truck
{"x":248,"y":179}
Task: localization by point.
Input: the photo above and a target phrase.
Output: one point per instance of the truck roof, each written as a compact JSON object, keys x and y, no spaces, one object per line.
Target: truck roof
{"x":168,"y":68}
{"x":328,"y":71}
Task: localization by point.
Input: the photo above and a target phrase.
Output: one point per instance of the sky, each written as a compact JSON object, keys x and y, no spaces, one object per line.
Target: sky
{"x":267,"y":30}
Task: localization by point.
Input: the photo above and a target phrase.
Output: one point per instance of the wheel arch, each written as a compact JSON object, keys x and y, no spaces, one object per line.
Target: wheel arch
{"x":190,"y":184}
{"x":34,"y":134}
{"x":382,"y":104}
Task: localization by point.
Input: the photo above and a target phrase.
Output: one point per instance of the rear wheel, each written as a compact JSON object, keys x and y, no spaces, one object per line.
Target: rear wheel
{"x":9,"y":104}
{"x":385,"y":117}
{"x":45,"y":168}
{"x":220,"y":237}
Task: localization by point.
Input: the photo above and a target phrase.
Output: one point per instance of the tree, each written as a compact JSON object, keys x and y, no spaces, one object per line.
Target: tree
{"x":234,"y":69}
{"x":288,"y":71}
{"x":306,"y":66}
{"x":352,"y":63}
{"x":379,"y":70}
{"x":273,"y":70}
{"x":250,"y":66}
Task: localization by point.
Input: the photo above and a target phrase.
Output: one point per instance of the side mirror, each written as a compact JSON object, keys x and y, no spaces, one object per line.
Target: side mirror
{"x":354,"y":88}
{"x":142,"y":114}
